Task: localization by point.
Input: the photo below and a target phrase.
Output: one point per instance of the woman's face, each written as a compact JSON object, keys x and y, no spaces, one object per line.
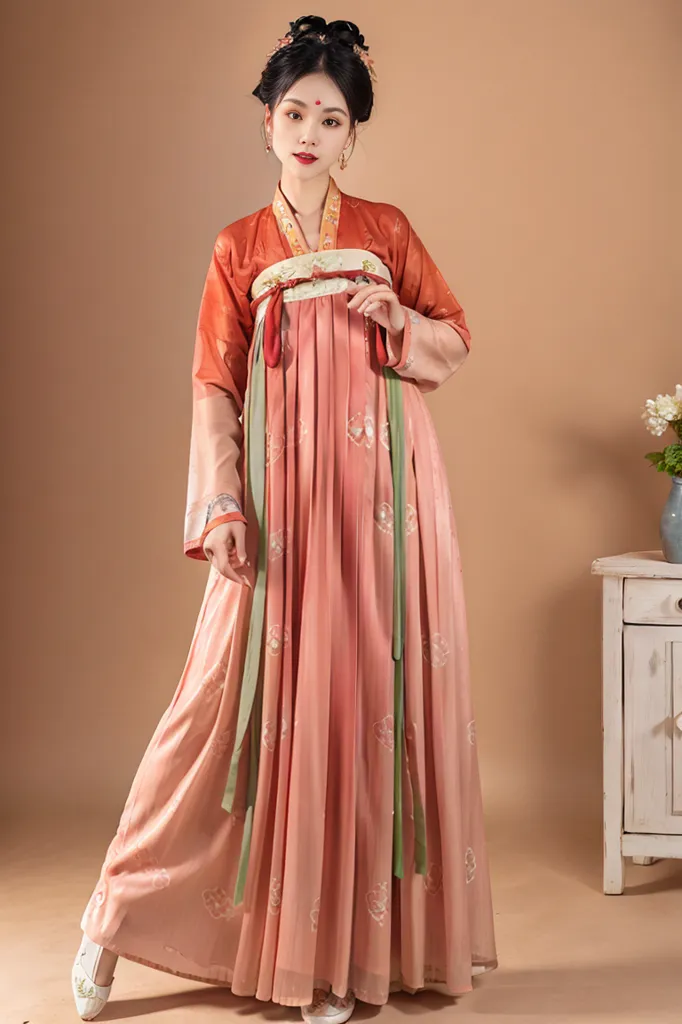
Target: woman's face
{"x":312,"y":117}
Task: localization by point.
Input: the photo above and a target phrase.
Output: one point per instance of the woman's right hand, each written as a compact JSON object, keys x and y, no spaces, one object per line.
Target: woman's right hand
{"x":225,"y":548}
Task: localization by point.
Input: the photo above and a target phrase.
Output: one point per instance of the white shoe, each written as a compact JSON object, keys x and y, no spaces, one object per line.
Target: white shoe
{"x":327,"y":1008}
{"x":90,"y":998}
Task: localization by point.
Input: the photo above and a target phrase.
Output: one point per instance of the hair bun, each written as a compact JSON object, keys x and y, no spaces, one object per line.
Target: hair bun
{"x":345,"y":32}
{"x":309,"y":24}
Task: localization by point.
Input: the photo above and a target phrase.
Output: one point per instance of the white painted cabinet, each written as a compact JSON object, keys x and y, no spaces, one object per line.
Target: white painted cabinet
{"x":641,"y":710}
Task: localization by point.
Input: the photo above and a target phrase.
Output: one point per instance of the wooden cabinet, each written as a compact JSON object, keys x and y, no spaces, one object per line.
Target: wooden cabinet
{"x":641,"y":710}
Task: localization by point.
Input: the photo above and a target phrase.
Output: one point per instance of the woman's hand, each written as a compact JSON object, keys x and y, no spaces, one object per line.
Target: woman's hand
{"x":380,"y":303}
{"x":225,"y":548}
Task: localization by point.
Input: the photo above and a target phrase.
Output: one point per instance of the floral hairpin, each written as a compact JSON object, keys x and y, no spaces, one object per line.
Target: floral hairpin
{"x":362,"y":54}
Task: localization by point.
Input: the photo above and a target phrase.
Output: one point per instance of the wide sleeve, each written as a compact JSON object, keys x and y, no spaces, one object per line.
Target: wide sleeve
{"x":219,"y":376}
{"x":436,"y":338}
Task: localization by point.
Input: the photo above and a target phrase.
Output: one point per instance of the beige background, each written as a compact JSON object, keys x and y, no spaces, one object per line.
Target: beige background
{"x":535,"y":146}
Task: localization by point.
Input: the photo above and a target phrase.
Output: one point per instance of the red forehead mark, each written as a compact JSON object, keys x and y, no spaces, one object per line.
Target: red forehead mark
{"x":317,"y":103}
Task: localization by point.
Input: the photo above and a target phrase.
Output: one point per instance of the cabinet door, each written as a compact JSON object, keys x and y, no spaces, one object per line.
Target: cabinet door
{"x":652,"y":664}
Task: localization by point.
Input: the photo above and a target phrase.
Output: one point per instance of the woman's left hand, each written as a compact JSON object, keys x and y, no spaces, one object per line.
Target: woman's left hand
{"x":380,"y":303}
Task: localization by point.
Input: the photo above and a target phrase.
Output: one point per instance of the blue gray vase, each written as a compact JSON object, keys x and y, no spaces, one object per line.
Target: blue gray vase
{"x":671,"y":522}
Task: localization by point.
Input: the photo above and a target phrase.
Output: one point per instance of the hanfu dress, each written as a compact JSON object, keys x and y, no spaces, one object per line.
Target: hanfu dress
{"x":308,"y":810}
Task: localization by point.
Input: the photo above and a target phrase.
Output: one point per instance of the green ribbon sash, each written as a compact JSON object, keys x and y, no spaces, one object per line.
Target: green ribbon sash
{"x":396,"y":424}
{"x":250,"y":700}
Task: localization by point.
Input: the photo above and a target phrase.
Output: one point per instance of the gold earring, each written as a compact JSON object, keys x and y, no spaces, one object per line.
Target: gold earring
{"x":344,"y":161}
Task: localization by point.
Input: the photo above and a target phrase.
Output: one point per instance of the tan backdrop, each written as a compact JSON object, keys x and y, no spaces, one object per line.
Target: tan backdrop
{"x":534,"y":144}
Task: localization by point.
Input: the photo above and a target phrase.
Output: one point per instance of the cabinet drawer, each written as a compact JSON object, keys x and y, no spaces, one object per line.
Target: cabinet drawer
{"x":652,"y":663}
{"x":653,"y":601}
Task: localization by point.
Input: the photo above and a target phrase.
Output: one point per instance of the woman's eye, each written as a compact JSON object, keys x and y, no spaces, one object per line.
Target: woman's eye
{"x":295,"y":114}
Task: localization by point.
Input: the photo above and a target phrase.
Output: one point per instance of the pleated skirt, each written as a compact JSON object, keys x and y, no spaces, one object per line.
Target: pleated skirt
{"x":322,"y":905}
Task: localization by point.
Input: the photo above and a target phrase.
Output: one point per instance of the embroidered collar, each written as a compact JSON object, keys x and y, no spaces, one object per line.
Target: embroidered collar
{"x":290,"y":227}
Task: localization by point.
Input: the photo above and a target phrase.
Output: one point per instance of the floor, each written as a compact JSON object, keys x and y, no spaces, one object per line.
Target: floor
{"x":567,"y":952}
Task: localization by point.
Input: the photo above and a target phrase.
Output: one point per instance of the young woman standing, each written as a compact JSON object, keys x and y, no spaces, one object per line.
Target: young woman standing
{"x":306,"y":823}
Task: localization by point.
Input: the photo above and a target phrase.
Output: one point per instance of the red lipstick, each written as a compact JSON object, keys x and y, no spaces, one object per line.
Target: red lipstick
{"x":305,"y":158}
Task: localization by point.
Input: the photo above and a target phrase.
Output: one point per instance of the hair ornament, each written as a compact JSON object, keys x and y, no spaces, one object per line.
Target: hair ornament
{"x":284,"y":41}
{"x":287,"y":38}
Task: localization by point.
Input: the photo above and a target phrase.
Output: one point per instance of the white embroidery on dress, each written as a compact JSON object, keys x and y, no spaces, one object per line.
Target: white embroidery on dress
{"x":277,"y":639}
{"x":384,"y":517}
{"x":360,"y":430}
{"x":221,"y":742}
{"x":213,"y":684}
{"x":285,"y":729}
{"x":275,"y":903}
{"x":383,"y":730}
{"x":408,"y":362}
{"x":470,"y":862}
{"x":160,"y":879}
{"x":276,"y":443}
{"x":315,"y":914}
{"x":433,"y":879}
{"x":218,"y":903}
{"x":279,"y":543}
{"x":471,"y":732}
{"x":435,"y":649}
{"x":410,"y":519}
{"x":377,"y":902}
{"x":269,"y":734}
{"x":385,"y":436}
{"x":149,"y":864}
{"x":413,"y":315}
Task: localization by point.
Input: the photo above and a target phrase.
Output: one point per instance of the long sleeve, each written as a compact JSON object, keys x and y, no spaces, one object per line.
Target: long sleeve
{"x":435,"y":328}
{"x":219,"y":376}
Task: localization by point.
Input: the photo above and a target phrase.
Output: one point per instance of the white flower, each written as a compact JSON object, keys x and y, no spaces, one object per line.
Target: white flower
{"x":660,"y":412}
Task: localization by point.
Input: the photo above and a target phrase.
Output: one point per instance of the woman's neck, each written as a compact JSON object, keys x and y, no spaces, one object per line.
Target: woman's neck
{"x":306,"y":198}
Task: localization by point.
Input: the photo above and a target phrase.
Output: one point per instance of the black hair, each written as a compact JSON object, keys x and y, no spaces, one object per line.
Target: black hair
{"x":333,"y":55}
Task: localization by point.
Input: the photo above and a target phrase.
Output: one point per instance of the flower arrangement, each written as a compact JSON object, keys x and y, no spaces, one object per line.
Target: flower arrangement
{"x":660,"y":413}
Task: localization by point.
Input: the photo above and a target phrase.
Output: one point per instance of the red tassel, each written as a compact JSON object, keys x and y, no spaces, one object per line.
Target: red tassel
{"x":380,"y":341}
{"x":272,"y":341}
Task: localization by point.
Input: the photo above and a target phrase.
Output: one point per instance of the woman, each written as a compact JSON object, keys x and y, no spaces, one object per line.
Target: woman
{"x":305,"y":825}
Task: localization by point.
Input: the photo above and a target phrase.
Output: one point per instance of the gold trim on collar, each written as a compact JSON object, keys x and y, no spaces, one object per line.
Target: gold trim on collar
{"x":289,"y":226}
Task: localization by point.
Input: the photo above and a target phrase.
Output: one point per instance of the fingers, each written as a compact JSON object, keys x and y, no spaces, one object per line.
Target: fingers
{"x":229,"y":573}
{"x":240,"y":549}
{"x":366,"y":291}
{"x":226,"y":562}
{"x":225,"y":569}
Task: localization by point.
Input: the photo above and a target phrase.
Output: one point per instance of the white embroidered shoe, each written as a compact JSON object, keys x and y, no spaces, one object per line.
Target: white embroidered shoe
{"x":328,"y":1008}
{"x":90,"y":998}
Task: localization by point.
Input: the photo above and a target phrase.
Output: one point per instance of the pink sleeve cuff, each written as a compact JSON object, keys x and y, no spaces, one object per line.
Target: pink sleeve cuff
{"x":195,"y":548}
{"x":398,"y":350}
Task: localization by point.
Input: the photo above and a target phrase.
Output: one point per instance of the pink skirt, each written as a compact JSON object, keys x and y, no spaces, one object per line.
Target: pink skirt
{"x":322,"y":905}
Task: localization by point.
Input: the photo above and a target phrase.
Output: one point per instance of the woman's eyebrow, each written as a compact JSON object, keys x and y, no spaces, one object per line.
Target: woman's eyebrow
{"x":326,"y":110}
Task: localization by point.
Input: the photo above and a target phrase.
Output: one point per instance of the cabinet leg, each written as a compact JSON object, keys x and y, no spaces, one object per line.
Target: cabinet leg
{"x":612,"y":727}
{"x":645,"y":861}
{"x":614,"y":865}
